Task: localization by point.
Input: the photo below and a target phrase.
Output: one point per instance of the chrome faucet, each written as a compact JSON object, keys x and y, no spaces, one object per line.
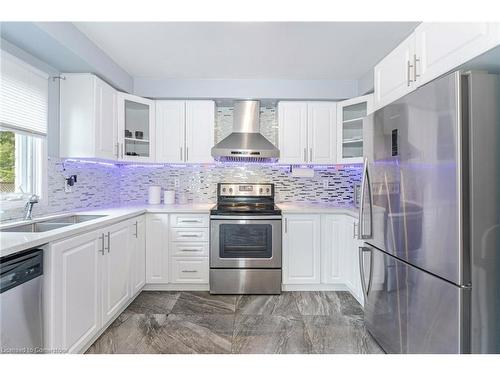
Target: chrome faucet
{"x":29,"y":206}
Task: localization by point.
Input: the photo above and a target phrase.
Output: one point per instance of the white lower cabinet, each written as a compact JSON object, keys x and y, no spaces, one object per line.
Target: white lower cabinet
{"x":301,"y":249}
{"x":157,"y":248}
{"x":320,"y":252}
{"x":116,"y":270}
{"x":88,"y":284}
{"x":74,"y":292}
{"x":193,"y":270}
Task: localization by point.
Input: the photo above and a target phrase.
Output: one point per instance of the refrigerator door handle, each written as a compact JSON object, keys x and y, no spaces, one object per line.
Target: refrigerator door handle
{"x":364,"y":287}
{"x":361,"y":227}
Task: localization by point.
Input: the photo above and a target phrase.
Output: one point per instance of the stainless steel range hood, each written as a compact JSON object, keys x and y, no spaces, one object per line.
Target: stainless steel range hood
{"x":245,"y":143}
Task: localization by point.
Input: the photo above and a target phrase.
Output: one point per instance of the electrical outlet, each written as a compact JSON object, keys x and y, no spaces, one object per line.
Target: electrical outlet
{"x":325,"y":183}
{"x":176,"y":182}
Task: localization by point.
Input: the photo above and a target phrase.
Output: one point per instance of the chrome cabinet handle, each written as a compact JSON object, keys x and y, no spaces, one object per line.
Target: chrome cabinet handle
{"x":121,"y":148}
{"x":117,"y":145}
{"x":286,"y":225}
{"x":189,"y":271}
{"x":102,"y":244}
{"x":408,"y":73}
{"x":190,"y":250}
{"x":310,"y":154}
{"x":190,"y":235}
{"x":415,"y":75}
{"x":181,"y":153}
{"x":109,"y":241}
{"x":136,"y":230}
{"x":187,"y":153}
{"x":190,"y":221}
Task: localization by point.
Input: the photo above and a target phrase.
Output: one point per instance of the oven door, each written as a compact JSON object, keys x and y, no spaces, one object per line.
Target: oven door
{"x":245,"y":242}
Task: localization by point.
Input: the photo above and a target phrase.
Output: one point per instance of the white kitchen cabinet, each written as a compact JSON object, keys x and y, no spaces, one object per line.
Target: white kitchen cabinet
{"x":301,"y":249}
{"x":116,"y":269}
{"x":185,"y":131}
{"x":432,"y":50}
{"x":292,"y":121}
{"x":190,"y":270}
{"x":137,"y":233}
{"x":350,"y":116}
{"x":200,"y":123}
{"x":333,"y":243}
{"x":394,"y":75}
{"x":322,"y":132}
{"x":88,"y":117}
{"x":443,"y":46}
{"x":307,"y":132}
{"x":157,"y":248}
{"x":170,"y":127}
{"x":74,"y":292}
{"x":136,"y":128}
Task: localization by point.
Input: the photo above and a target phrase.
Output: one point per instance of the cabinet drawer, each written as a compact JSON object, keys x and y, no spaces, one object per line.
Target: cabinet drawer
{"x":189,"y":249}
{"x":189,"y":220}
{"x":189,"y":234}
{"x":190,"y":270}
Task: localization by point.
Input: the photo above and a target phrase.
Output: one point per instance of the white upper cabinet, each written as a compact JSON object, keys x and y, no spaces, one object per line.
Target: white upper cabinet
{"x":301,"y":249}
{"x":442,"y":46}
{"x":394,"y":76}
{"x":350,"y":114}
{"x":88,"y":117}
{"x":322,"y":132}
{"x":307,"y":132}
{"x":432,"y":50}
{"x":292,"y":120}
{"x":136,"y":128}
{"x":200,"y":122}
{"x":170,"y":126}
{"x":185,"y":131}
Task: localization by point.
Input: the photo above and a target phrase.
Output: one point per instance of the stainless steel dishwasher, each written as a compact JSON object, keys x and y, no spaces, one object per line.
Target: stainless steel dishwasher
{"x":21,"y":283}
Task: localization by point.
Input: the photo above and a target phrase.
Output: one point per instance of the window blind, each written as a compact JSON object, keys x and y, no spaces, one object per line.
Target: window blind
{"x":23,"y":96}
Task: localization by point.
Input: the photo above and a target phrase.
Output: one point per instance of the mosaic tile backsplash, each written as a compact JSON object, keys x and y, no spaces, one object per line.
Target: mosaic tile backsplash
{"x":106,"y":184}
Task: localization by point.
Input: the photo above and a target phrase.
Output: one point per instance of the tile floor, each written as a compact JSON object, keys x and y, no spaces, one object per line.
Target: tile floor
{"x":197,"y":322}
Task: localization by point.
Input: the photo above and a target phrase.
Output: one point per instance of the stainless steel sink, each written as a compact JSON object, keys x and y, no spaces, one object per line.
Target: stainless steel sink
{"x":73,"y":219}
{"x":35,"y":227}
{"x":50,"y":224}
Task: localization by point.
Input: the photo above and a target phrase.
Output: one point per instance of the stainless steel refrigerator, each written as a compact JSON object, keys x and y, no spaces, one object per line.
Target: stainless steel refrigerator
{"x":430,"y":218}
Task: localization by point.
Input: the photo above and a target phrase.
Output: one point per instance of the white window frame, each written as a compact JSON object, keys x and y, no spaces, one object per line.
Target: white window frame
{"x":30,"y":156}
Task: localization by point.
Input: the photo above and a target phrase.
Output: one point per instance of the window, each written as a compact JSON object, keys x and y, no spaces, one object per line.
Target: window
{"x":23,"y":130}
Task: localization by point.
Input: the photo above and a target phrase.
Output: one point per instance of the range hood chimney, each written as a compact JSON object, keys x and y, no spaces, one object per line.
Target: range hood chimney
{"x":245,"y":143}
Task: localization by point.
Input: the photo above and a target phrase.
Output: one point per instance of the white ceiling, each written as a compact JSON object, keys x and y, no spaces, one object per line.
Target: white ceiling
{"x":247,"y":50}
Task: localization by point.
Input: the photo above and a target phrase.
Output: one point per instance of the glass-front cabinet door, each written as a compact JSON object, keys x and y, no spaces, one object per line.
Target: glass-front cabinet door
{"x":351,"y":114}
{"x":136,"y":128}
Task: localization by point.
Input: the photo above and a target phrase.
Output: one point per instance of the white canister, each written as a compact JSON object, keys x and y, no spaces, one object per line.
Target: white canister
{"x":154,"y":194}
{"x":182,"y":198}
{"x":169,"y":197}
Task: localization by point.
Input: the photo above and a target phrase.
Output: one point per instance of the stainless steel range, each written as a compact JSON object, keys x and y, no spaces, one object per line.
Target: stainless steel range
{"x":245,"y":240}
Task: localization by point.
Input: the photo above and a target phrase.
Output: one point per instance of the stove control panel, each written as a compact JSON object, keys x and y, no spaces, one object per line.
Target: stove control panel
{"x":246,"y":190}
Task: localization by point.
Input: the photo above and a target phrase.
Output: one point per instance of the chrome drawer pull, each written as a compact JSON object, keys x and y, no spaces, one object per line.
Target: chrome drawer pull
{"x":190,"y":235}
{"x":191,"y":250}
{"x":189,"y":271}
{"x":190,"y":221}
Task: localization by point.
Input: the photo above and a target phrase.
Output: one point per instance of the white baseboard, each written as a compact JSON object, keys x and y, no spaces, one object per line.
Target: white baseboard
{"x":176,"y":287}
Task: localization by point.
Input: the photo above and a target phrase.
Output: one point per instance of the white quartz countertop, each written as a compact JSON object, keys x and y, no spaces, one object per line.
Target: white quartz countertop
{"x":316,"y":208}
{"x":12,"y":242}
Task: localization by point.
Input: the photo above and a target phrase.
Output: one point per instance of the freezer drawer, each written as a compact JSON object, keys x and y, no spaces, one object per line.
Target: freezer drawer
{"x":408,"y":310}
